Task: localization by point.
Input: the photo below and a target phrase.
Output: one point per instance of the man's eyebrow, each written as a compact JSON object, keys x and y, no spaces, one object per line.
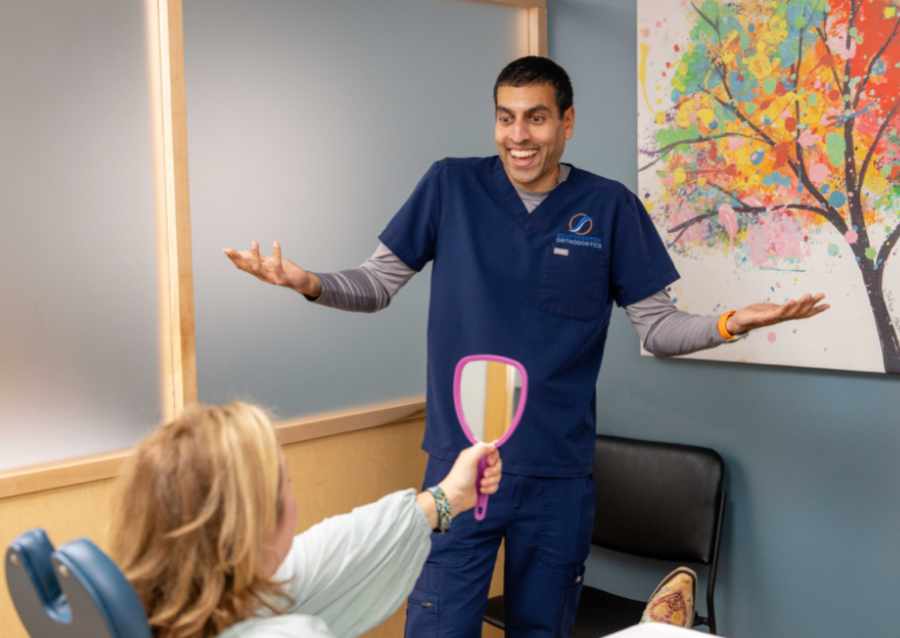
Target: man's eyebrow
{"x":538,"y":109}
{"x":532,"y":111}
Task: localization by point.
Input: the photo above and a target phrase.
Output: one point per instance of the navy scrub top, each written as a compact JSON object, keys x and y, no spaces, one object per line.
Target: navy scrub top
{"x":538,"y":288}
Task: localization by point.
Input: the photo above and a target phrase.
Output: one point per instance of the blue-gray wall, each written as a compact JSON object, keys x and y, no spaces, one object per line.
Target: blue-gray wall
{"x":812,"y":537}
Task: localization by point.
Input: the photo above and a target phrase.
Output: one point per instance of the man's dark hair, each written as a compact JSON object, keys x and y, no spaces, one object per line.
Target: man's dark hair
{"x":533,"y":69}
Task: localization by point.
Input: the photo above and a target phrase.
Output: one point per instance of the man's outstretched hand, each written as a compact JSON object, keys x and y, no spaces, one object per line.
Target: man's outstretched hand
{"x":766,"y":314}
{"x":275,"y":269}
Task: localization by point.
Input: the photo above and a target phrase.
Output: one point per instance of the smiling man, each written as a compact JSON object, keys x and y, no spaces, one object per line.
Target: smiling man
{"x":528,"y":255}
{"x":531,"y":128}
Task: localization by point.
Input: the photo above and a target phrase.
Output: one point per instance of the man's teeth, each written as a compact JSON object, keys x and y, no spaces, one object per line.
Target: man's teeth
{"x":523,"y":154}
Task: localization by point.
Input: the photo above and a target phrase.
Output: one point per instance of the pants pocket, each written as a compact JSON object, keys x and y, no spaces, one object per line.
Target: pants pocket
{"x":422,"y":615}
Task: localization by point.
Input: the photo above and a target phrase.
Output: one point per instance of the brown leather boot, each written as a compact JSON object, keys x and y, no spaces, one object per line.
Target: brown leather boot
{"x":672,"y":602}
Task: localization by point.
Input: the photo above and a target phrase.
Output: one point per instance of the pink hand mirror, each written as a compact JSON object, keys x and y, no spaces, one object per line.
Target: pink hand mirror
{"x":489,"y":392}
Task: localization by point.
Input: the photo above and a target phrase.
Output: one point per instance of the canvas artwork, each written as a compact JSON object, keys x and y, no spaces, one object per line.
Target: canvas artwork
{"x":768,"y":158}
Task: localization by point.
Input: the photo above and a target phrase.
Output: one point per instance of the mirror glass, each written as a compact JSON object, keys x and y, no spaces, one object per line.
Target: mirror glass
{"x":490,"y":397}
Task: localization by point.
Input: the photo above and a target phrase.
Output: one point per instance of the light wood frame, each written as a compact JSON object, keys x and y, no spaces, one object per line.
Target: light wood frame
{"x":532,"y":24}
{"x":178,"y":360}
{"x":178,"y":365}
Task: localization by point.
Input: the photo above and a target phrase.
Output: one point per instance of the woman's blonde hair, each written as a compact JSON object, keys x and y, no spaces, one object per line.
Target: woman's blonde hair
{"x":198,"y":500}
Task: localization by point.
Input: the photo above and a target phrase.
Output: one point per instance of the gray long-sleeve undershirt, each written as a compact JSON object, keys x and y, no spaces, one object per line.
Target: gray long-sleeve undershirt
{"x":664,"y":330}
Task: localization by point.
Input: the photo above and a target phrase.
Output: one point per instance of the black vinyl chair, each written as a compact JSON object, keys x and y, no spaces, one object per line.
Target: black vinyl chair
{"x":654,"y":500}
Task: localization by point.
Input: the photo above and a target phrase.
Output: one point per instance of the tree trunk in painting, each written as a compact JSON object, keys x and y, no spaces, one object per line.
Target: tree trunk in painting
{"x":887,"y":334}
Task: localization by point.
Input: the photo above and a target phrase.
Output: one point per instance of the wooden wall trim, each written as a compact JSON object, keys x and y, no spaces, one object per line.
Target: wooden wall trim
{"x":178,"y":367}
{"x":49,"y":476}
{"x":535,"y":31}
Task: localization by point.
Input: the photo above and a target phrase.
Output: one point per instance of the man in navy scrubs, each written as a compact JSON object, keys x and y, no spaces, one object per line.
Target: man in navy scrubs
{"x":528,"y":256}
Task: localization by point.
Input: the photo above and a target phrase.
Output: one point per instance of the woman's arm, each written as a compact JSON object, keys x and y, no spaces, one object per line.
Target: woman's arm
{"x":355,"y":570}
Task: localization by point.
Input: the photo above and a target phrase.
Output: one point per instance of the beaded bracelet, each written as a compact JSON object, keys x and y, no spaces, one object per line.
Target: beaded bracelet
{"x":442,"y":505}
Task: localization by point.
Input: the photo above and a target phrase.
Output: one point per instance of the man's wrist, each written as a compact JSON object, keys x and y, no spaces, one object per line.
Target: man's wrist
{"x":725,"y":325}
{"x":313,"y":289}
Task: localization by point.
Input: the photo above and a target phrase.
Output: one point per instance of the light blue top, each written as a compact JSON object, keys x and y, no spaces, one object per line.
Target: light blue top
{"x":349,"y":573}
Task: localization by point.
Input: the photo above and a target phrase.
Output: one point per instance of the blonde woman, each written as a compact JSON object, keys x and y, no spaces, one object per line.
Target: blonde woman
{"x":205,"y":534}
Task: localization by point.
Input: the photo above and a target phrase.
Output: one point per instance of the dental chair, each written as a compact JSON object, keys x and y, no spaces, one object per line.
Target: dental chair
{"x":73,"y":592}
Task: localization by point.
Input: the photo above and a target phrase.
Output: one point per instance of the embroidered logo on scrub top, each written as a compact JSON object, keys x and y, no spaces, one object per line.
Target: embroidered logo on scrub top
{"x":580,"y":226}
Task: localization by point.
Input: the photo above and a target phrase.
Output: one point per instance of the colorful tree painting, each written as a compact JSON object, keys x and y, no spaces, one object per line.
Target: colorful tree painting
{"x":780,"y":129}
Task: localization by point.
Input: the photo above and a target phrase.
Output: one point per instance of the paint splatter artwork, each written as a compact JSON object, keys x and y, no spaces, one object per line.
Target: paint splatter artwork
{"x":769,"y":160}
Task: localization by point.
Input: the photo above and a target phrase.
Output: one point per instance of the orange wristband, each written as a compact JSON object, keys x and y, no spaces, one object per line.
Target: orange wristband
{"x":723,"y":323}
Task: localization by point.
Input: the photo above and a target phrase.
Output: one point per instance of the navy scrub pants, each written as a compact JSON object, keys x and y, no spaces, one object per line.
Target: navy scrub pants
{"x":546,"y":523}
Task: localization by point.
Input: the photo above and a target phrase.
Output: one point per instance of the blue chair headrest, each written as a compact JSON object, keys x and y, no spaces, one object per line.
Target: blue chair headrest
{"x":80,"y":591}
{"x":32,"y":551}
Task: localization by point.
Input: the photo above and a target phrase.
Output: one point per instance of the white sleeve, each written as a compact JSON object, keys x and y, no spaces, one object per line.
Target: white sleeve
{"x":284,"y":626}
{"x":353,"y":571}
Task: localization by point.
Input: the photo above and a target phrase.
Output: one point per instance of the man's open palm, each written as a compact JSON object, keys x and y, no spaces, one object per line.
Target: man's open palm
{"x":766,"y":314}
{"x":273,"y":269}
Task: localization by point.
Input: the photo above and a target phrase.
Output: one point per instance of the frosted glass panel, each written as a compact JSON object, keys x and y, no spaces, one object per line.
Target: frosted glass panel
{"x":78,"y":327}
{"x":310,"y":123}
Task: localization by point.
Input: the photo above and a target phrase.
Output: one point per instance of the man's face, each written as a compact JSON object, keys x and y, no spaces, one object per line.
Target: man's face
{"x":531,"y":135}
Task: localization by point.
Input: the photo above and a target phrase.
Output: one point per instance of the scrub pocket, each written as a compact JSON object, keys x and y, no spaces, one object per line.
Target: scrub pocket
{"x":422,"y":617}
{"x":574,"y":282}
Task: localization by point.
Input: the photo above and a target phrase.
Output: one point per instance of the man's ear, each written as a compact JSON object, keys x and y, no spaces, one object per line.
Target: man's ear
{"x":569,"y":122}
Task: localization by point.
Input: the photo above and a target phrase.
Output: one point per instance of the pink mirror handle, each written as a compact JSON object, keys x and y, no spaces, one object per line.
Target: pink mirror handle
{"x":482,"y":502}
